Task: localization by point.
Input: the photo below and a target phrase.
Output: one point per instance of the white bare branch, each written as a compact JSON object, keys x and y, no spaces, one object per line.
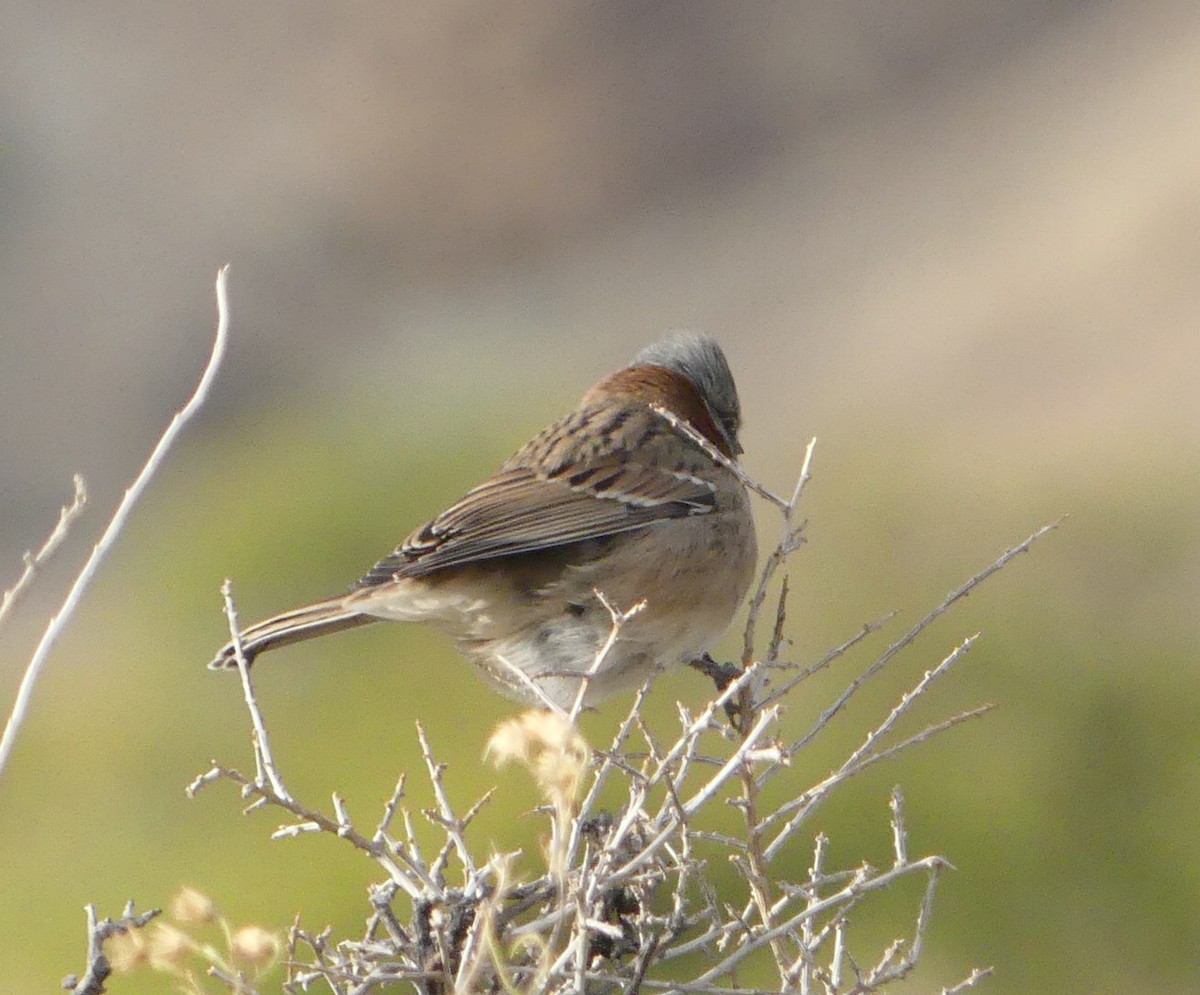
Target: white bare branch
{"x":59,"y":622}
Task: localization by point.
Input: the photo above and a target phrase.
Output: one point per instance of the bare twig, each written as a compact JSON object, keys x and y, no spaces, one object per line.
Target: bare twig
{"x":977,"y":975}
{"x":862,"y":884}
{"x":529,"y":684}
{"x":909,"y":637}
{"x":312,"y":820}
{"x":732,"y":765}
{"x":619,"y":618}
{"x":866,"y":754}
{"x":132,"y":496}
{"x":264,"y":760}
{"x":99,"y":968}
{"x":446,"y":818}
{"x":788,"y":543}
{"x":66,"y":517}
{"x":899,"y":831}
{"x":837,"y":652}
{"x":717,"y":456}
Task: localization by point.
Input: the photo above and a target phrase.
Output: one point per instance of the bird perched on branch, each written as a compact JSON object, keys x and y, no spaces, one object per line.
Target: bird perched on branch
{"x":608,"y":507}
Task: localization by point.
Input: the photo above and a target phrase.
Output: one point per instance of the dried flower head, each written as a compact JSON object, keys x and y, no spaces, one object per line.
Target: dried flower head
{"x":127,"y":950}
{"x":169,"y":947}
{"x":190,"y":905}
{"x":550,"y":746}
{"x":255,"y":947}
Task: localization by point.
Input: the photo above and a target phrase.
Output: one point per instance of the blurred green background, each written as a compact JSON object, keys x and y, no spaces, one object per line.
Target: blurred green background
{"x":959,"y":243}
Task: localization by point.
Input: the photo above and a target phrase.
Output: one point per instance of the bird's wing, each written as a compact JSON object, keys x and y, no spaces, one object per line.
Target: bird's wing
{"x":523,"y":509}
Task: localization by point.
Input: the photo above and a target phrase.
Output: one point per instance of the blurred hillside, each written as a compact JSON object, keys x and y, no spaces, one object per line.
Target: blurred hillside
{"x":958,"y":242}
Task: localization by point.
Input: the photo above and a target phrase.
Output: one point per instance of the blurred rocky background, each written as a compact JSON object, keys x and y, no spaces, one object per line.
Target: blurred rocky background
{"x":959,"y":242}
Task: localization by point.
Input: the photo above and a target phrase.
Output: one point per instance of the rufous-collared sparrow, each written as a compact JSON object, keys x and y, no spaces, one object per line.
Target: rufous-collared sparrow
{"x":607,"y":507}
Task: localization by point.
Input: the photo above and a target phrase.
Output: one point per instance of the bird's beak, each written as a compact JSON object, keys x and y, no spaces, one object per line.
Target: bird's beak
{"x":731,"y":443}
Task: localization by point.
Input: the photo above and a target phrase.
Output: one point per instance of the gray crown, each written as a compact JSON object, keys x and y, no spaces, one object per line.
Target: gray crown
{"x":700,"y":359}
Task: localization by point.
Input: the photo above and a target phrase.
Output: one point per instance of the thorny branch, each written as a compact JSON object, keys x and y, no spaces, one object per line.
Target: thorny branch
{"x":99,"y":930}
{"x":629,"y":888}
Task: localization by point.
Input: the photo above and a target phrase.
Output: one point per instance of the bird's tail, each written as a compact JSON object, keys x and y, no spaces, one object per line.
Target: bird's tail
{"x":290,"y":627}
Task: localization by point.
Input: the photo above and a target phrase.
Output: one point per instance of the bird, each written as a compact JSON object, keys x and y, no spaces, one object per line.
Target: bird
{"x":613,"y":506}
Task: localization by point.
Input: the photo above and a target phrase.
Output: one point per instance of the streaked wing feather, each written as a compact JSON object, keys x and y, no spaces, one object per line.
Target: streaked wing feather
{"x":522,"y":511}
